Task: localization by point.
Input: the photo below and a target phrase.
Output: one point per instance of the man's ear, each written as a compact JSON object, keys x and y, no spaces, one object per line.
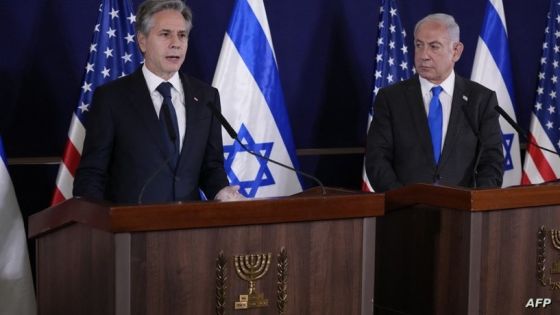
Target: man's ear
{"x":457,"y":51}
{"x":141,"y":42}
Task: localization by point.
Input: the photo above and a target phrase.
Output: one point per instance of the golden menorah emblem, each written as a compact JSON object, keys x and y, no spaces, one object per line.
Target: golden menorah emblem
{"x":251,"y":268}
{"x":548,"y":264}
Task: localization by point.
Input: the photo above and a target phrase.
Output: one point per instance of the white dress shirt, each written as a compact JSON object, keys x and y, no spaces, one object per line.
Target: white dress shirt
{"x":177,"y":97}
{"x":445,"y":97}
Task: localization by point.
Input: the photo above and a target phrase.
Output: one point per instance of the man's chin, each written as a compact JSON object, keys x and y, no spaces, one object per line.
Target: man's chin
{"x":425,"y":73}
{"x":173,"y":68}
{"x":173,"y":65}
{"x":430,"y":76}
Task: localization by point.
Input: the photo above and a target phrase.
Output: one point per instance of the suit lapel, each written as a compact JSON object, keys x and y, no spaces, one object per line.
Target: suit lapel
{"x":459,"y":100}
{"x":190,"y":112}
{"x":419,"y":117}
{"x":142,"y":102}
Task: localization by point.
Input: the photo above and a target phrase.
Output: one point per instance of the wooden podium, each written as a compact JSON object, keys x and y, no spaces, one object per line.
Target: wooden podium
{"x":443,"y":250}
{"x":166,"y":258}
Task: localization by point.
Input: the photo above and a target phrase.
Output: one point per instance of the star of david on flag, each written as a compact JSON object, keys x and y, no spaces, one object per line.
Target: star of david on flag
{"x":253,"y":102}
{"x":113,"y":53}
{"x":392,"y":59}
{"x":492,"y":68}
{"x":507,"y":140}
{"x":263,"y":176}
{"x":541,"y":166}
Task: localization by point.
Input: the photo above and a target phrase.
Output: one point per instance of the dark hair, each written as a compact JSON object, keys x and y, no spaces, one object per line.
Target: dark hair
{"x":146,"y":11}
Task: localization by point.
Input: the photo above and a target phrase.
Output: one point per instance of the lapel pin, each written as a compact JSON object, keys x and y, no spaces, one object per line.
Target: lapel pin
{"x":195,"y":99}
{"x":465,"y":98}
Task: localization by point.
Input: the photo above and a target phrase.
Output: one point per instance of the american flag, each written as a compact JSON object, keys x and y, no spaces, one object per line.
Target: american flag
{"x":112,"y":54}
{"x":541,"y":166}
{"x":392,"y":58}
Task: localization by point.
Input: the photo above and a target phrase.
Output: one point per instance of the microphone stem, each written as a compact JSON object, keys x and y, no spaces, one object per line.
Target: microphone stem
{"x":520,"y":131}
{"x":529,"y":142}
{"x":222,"y":120}
{"x":323,"y":190}
{"x":151,"y":178}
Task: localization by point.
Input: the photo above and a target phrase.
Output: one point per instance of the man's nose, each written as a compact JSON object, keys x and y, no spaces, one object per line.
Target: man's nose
{"x":175,"y":41}
{"x":422,"y":52}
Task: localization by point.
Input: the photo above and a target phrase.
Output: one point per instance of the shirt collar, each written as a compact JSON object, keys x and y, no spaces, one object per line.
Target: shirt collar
{"x":153,"y":81}
{"x":448,"y":85}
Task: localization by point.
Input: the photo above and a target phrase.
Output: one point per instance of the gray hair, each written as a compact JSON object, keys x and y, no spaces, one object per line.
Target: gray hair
{"x":146,"y":11}
{"x":447,"y":20}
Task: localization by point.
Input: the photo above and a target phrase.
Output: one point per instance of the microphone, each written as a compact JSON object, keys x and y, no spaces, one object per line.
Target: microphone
{"x":512,"y":122}
{"x":479,"y":146}
{"x":153,"y":176}
{"x":520,"y":130}
{"x":234,"y":136}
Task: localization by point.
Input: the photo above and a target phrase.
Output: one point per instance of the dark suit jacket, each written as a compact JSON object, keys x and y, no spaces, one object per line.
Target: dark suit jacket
{"x":124,"y":146}
{"x":399,"y":146}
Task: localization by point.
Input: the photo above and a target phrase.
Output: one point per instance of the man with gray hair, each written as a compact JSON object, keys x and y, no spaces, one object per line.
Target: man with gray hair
{"x":436,"y":127}
{"x":151,"y":136}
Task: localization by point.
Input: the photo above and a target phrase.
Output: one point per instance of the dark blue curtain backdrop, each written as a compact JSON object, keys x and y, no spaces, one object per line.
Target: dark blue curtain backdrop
{"x":325,"y":51}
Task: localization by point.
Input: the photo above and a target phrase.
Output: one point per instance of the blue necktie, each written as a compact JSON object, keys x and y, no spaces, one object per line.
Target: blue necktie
{"x":168,"y":117}
{"x":435,"y":121}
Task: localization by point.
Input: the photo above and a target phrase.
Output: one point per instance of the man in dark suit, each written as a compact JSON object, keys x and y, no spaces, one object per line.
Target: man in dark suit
{"x":436,"y":127}
{"x":151,"y":136}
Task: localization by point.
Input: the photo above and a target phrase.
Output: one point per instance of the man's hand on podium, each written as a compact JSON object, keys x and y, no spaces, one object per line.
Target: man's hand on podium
{"x":229,"y":193}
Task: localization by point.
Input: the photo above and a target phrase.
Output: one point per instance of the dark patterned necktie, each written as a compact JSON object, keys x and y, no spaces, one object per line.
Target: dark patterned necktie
{"x":168,"y":117}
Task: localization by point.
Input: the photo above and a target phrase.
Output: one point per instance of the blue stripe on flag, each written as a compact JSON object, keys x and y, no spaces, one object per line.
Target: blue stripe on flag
{"x":250,"y":40}
{"x":3,"y":153}
{"x":495,"y":36}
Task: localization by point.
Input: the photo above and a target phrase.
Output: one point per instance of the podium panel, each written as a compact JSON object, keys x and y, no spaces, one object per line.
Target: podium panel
{"x":443,"y":250}
{"x":167,"y":259}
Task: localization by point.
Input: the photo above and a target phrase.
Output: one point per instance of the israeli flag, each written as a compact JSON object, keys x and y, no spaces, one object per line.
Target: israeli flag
{"x":16,"y":283}
{"x":253,"y":102}
{"x":492,"y":68}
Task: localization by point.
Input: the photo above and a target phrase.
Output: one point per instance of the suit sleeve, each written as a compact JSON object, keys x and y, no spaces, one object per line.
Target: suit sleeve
{"x":379,"y":147}
{"x":490,"y":168}
{"x":91,"y":175}
{"x":213,"y":176}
